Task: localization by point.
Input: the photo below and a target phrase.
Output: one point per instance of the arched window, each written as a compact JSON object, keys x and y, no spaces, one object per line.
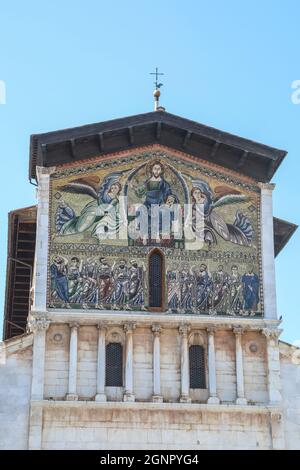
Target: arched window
{"x":114,"y":365}
{"x":197,"y":366}
{"x":156,"y":280}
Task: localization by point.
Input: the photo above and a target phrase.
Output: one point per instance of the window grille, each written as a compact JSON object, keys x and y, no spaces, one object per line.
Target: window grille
{"x":197,"y":366}
{"x":114,"y":365}
{"x":156,"y":280}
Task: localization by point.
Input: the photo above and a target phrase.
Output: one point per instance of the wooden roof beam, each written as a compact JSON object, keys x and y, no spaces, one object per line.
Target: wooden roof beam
{"x":214,"y":149}
{"x":242,"y":159}
{"x":186,"y":139}
{"x":72,"y":147}
{"x":131,"y":135}
{"x":158,"y":130}
{"x":101,"y":141}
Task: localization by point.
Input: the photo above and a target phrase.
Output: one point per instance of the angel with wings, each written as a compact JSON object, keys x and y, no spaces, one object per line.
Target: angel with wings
{"x":206,"y":200}
{"x":101,"y":214}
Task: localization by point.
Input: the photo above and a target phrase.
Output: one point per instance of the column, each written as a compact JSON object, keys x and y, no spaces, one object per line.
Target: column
{"x":101,"y":364}
{"x":128,"y":394}
{"x":39,"y":281}
{"x":240,"y":391}
{"x":72,"y":387}
{"x":212,"y":379}
{"x":38,"y":326}
{"x":185,"y":372}
{"x":277,"y":430}
{"x":267,"y":251}
{"x":156,"y":330}
{"x":274,"y":383}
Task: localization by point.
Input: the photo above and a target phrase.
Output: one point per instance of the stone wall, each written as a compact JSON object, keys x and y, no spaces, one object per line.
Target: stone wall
{"x":168,"y":425}
{"x":57,"y":361}
{"x":290,"y":379}
{"x":15,"y":382}
{"x":181,"y":427}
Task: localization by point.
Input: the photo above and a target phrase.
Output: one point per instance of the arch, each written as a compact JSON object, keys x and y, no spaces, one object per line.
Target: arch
{"x":156,"y":280}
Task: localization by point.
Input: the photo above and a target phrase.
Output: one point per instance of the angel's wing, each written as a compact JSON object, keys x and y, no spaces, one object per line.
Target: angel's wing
{"x":88,"y":185}
{"x":221,"y":191}
{"x":230,"y":199}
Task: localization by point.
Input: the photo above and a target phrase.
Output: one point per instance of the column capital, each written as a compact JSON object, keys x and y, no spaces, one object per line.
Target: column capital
{"x":184,"y":329}
{"x":211,"y":330}
{"x":129,"y":327}
{"x":102,"y":326}
{"x":271,"y":333}
{"x":267,"y":186}
{"x":238,"y":330}
{"x":276,"y":416}
{"x":74,"y":324}
{"x":156,"y":329}
{"x":45,"y":171}
{"x":38,"y":324}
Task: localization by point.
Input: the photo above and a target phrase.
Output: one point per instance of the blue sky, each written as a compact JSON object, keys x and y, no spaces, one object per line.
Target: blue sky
{"x":228,"y":64}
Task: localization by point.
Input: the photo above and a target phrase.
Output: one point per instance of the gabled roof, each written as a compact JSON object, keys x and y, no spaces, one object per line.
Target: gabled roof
{"x":245,"y":156}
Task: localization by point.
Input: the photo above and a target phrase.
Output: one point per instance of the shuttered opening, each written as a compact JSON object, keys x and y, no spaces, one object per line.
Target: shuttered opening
{"x":197,"y":366}
{"x":20,"y":259}
{"x":114,"y":365}
{"x":156,"y":279}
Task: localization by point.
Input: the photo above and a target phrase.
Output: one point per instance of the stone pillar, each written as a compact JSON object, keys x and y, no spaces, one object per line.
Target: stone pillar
{"x":35,"y":426}
{"x":212,"y":379}
{"x":274,"y":382}
{"x":101,"y":364}
{"x":240,"y":390}
{"x":157,"y":398}
{"x":185,"y":372}
{"x":72,"y":387}
{"x":39,"y":281}
{"x":38,"y":326}
{"x":267,"y":251}
{"x":277,"y":431}
{"x":128,"y":394}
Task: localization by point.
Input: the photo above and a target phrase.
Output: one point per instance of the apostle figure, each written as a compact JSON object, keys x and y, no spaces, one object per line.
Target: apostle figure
{"x":104,"y":279}
{"x":120,"y":292}
{"x":203,"y":288}
{"x":173,"y":283}
{"x":187,"y":289}
{"x":136,"y":288}
{"x":59,"y":279}
{"x":220,"y":286}
{"x":75,"y":279}
{"x":250,"y":290}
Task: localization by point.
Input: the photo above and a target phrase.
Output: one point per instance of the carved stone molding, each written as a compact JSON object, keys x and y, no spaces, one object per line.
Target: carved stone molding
{"x":272,"y":333}
{"x":38,"y":324}
{"x":276,"y":416}
{"x":74,"y":324}
{"x":211,"y":330}
{"x":268,"y":186}
{"x":102,"y":326}
{"x":238,"y":330}
{"x":42,"y":170}
{"x":156,"y":329}
{"x":184,"y":329}
{"x":129,"y":327}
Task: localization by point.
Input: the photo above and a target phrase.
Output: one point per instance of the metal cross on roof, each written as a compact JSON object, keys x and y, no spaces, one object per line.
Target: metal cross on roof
{"x":157,"y":73}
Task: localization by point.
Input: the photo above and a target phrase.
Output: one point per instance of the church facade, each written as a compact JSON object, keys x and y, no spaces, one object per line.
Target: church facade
{"x":150,"y":320}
